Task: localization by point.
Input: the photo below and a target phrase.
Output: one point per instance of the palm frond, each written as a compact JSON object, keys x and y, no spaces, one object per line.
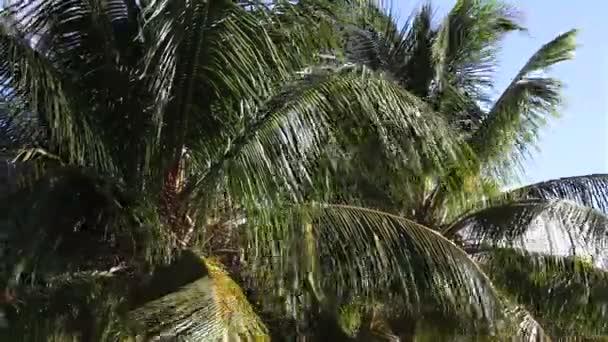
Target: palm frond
{"x":465,"y":50}
{"x":589,"y":191}
{"x":28,"y":74}
{"x":280,"y":150}
{"x":546,"y":226}
{"x":206,"y":309}
{"x":204,"y":51}
{"x":93,"y":50}
{"x":418,"y":72}
{"x":351,"y":253}
{"x":513,"y":123}
{"x":567,"y":295}
{"x":405,"y":54}
{"x":191,"y":311}
{"x":19,"y":129}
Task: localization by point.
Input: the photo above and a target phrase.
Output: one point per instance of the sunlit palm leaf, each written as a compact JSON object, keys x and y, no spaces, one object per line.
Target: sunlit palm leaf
{"x":547,"y":226}
{"x":405,"y":54}
{"x":204,"y":310}
{"x":466,"y":48}
{"x":279,"y":150}
{"x":513,"y":123}
{"x":589,"y":191}
{"x":359,"y":253}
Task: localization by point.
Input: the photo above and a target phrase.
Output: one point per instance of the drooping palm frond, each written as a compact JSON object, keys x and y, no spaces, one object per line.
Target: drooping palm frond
{"x":26,"y":73}
{"x":589,"y":191}
{"x":570,"y":211}
{"x":280,"y":149}
{"x":206,"y":309}
{"x":503,"y":138}
{"x":546,"y":226}
{"x":512,"y":125}
{"x":351,"y":253}
{"x":569,"y":296}
{"x":18,"y":130}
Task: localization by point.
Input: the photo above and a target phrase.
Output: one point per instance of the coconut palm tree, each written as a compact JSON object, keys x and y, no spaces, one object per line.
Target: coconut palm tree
{"x":452,"y":67}
{"x":163,"y":125}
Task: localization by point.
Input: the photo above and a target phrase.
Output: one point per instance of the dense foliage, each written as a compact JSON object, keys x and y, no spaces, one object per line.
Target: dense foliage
{"x":343,"y":171}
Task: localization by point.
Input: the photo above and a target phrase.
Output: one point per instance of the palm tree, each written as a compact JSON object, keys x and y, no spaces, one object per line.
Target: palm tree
{"x":451,"y":67}
{"x":164,"y":124}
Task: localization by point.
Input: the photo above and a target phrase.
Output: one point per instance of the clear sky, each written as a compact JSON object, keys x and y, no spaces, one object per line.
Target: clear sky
{"x":577,"y":143}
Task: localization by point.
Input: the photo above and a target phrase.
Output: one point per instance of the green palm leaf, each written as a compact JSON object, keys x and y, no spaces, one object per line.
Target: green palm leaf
{"x":405,"y":54}
{"x":589,"y":191}
{"x":547,"y":226}
{"x":204,"y":310}
{"x":465,"y":50}
{"x":277,"y":153}
{"x":567,"y":295}
{"x":348,"y":253}
{"x":204,"y":50}
{"x":27,"y":73}
{"x":513,"y":123}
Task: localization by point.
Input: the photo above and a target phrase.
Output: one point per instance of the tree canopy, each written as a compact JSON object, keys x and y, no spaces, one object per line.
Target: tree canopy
{"x":168,"y":153}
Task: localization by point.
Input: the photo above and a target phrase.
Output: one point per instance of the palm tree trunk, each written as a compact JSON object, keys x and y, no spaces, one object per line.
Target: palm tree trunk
{"x":172,"y":210}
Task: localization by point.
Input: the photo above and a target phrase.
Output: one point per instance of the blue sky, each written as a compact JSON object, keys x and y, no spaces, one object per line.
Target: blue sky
{"x":577,"y":143}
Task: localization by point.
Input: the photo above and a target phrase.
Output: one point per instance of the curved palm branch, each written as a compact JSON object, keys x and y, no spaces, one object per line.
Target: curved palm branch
{"x":349,"y":252}
{"x":206,"y":309}
{"x":383,"y":46}
{"x":547,"y":226}
{"x":297,"y":126}
{"x":27,"y":73}
{"x":589,"y":191}
{"x":503,"y":138}
{"x":567,"y":295}
{"x":513,"y":123}
{"x":573,"y":209}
